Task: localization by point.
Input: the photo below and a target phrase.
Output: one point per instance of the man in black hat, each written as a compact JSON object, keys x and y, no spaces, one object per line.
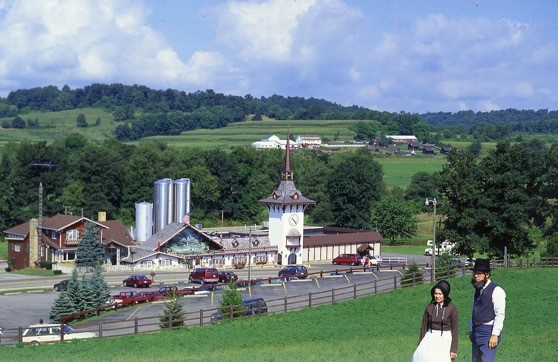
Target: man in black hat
{"x":489,"y":311}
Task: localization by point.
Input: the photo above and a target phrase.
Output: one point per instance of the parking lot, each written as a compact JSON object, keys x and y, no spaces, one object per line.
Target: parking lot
{"x":23,"y":309}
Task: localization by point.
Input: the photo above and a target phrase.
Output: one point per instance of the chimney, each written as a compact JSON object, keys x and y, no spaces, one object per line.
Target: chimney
{"x":33,"y":242}
{"x":102,"y":216}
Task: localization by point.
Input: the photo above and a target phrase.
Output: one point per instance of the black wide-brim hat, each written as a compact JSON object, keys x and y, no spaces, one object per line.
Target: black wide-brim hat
{"x":482,"y":265}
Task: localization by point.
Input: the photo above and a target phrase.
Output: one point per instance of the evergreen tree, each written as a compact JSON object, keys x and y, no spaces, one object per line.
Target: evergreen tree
{"x":87,"y":294}
{"x":90,"y":251}
{"x":413,"y":275}
{"x":75,"y":292}
{"x":173,"y":309}
{"x":231,"y":297}
{"x":99,"y":287}
{"x":62,"y":306}
{"x":81,"y":121}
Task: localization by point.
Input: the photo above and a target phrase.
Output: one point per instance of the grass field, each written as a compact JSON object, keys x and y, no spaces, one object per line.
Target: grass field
{"x":377,"y":328}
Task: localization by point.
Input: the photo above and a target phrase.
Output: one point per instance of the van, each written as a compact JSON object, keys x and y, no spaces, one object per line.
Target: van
{"x":204,"y":275}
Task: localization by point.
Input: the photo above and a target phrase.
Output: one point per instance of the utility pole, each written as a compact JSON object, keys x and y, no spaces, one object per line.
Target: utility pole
{"x":434,"y":248}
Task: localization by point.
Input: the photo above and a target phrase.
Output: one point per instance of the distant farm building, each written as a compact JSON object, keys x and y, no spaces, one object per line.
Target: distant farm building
{"x":309,"y":140}
{"x":401,"y":139}
{"x":272,"y":142}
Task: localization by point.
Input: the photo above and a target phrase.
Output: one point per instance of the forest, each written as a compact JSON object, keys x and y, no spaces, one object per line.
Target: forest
{"x":145,"y":112}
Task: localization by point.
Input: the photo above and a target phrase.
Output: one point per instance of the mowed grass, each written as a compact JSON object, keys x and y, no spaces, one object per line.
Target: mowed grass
{"x":384,"y":327}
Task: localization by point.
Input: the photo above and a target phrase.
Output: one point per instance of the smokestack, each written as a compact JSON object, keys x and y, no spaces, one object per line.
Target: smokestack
{"x":33,"y":242}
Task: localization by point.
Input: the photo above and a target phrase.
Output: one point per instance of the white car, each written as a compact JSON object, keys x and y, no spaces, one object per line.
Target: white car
{"x":45,"y":333}
{"x":375,"y":260}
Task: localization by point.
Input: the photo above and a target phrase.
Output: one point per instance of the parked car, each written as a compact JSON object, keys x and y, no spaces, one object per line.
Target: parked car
{"x":204,"y":275}
{"x":227,"y":276}
{"x":41,"y":333}
{"x":137,"y":281}
{"x":347,"y":259}
{"x":375,"y":260}
{"x":128,"y":298}
{"x":61,"y":285}
{"x":252,"y":306}
{"x":298,"y":271}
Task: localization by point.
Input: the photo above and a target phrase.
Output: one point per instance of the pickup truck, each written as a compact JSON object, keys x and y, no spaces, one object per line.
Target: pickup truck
{"x":125,"y":299}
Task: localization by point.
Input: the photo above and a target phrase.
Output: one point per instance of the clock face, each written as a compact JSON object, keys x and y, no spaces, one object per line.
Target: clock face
{"x":293,"y":219}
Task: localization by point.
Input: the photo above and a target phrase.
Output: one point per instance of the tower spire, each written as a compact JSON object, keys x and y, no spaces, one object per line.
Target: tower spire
{"x":287,"y":174}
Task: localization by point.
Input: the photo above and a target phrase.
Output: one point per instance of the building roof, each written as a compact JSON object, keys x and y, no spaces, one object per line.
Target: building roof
{"x":159,"y":239}
{"x":116,"y":232}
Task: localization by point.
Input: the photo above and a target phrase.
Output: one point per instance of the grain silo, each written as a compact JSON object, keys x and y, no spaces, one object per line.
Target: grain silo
{"x":181,"y":199}
{"x":144,"y":221}
{"x":162,"y":209}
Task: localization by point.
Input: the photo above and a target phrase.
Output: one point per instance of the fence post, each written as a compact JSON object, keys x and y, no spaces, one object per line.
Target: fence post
{"x":20,"y":334}
{"x":100,"y":330}
{"x":201,"y":317}
{"x":136,"y":329}
{"x":321,"y":273}
{"x":231,"y":311}
{"x":375,"y":287}
{"x":62,"y":332}
{"x":170,"y":321}
{"x":310,"y":299}
{"x":354,"y":291}
{"x":333,"y":295}
{"x":285,"y":304}
{"x":394,"y":282}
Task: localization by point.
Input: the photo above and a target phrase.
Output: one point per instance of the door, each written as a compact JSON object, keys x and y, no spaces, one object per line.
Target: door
{"x":292,"y":258}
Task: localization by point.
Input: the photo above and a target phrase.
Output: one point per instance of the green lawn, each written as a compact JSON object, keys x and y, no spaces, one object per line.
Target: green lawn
{"x":378,"y":328}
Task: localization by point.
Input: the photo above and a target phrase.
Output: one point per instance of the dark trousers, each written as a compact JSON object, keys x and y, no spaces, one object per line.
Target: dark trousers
{"x":481,"y":351}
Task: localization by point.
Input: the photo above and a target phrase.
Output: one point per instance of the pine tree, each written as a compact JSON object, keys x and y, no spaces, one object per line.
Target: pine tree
{"x":231,"y":297}
{"x":87,"y":294}
{"x":90,"y":251}
{"x":75,"y":291}
{"x":413,"y":275}
{"x":99,"y":287}
{"x":173,"y":309}
{"x":62,"y":306}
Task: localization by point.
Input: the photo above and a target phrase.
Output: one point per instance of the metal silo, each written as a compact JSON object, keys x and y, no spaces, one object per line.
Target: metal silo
{"x":162,"y":191}
{"x":181,"y":199}
{"x":144,"y":221}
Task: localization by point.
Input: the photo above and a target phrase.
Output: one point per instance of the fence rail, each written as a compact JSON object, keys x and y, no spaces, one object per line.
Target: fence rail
{"x":286,"y":303}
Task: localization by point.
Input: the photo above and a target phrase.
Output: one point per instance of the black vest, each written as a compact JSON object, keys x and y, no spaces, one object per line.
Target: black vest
{"x":483,"y":308}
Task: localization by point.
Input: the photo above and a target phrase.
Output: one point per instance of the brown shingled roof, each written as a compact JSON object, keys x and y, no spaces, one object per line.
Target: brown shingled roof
{"x":116,"y":231}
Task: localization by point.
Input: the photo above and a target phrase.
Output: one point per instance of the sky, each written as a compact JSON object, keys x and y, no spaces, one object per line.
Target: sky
{"x":389,"y":55}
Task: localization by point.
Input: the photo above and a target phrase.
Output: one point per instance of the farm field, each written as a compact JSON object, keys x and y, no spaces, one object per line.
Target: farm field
{"x":333,"y":332}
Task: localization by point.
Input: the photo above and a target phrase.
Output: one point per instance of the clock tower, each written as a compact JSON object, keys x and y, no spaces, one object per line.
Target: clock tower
{"x":286,"y":207}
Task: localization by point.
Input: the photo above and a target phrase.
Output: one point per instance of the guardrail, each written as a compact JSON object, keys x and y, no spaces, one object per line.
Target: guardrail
{"x":284,"y":304}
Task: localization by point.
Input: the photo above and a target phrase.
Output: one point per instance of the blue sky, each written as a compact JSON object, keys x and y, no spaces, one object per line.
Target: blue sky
{"x":416,"y":56}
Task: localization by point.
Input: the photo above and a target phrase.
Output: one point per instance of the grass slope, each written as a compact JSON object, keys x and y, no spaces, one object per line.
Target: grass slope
{"x":379,"y":328}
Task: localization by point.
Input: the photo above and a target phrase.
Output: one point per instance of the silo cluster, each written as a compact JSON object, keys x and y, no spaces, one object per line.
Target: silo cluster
{"x":171,"y":203}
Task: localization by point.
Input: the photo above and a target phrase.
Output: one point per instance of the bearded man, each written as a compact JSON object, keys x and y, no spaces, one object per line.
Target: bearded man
{"x":489,"y":311}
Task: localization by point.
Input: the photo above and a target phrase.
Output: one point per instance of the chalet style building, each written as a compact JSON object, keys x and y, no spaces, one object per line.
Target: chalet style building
{"x":56,"y":239}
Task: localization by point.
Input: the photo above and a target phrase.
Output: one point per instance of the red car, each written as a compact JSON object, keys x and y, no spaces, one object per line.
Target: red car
{"x":227,"y":276}
{"x":347,"y":259}
{"x":137,"y":281}
{"x":204,"y":275}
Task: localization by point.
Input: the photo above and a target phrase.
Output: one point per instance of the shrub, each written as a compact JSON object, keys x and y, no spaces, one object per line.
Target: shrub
{"x":173,"y":314}
{"x":46,"y":265}
{"x":412,"y":276}
{"x":231,"y":298}
{"x":57,"y":272}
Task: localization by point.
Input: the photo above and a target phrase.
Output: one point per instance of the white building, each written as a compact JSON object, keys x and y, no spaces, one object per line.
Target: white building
{"x":272,"y":142}
{"x":309,"y":140}
{"x":402,"y":139}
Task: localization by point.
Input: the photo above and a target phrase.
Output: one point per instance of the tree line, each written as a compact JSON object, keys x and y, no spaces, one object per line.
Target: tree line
{"x":147,"y":112}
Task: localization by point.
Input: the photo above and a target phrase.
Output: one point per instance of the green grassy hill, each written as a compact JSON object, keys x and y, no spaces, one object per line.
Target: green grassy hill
{"x":384,"y":327}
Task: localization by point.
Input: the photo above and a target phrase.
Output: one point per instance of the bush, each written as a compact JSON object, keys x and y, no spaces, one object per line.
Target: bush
{"x":8,"y":269}
{"x":46,"y":265}
{"x":57,"y":272}
{"x":412,"y":276}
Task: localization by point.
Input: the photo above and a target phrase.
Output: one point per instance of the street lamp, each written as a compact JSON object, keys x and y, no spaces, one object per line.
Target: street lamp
{"x":434,"y":249}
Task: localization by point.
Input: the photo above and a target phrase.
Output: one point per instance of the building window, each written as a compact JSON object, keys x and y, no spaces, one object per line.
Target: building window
{"x":16,"y":247}
{"x":72,"y":235}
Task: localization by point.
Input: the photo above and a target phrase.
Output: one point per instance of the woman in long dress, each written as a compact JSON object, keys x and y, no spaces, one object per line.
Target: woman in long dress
{"x":438,"y":333}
